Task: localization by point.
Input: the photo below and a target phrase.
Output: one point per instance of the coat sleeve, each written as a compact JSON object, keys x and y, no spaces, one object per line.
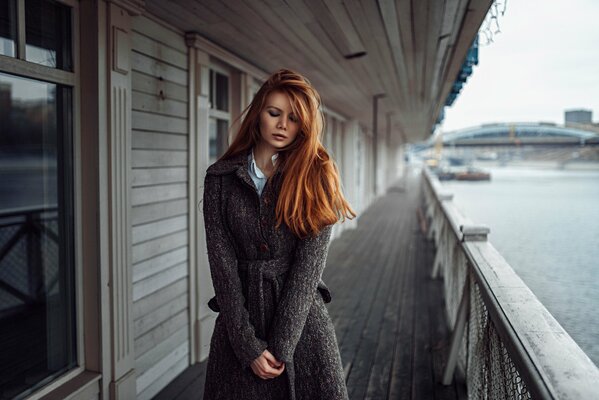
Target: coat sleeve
{"x":225,"y":278}
{"x":298,"y":294}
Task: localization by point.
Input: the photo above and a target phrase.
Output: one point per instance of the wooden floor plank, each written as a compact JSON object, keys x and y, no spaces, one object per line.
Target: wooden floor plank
{"x":378,"y":385}
{"x":364,"y":358}
{"x":422,"y":375}
{"x":184,"y":380}
{"x":400,"y":387}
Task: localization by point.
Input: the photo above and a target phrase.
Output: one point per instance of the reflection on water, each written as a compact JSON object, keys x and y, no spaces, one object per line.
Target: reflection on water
{"x":546,"y":225}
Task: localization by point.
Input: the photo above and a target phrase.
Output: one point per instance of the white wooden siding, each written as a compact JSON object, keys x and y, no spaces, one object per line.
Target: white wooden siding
{"x":159,"y":197}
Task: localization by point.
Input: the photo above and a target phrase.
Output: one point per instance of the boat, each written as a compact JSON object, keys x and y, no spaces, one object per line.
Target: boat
{"x":472,"y":174}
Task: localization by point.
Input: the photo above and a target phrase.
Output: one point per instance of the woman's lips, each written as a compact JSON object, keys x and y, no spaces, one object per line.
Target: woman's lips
{"x":279,"y":137}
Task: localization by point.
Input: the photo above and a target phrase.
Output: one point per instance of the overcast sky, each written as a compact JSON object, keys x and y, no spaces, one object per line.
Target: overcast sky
{"x":544,"y":61}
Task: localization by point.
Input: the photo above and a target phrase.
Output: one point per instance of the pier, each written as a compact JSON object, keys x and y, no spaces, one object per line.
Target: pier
{"x":414,"y":267}
{"x":387,"y":311}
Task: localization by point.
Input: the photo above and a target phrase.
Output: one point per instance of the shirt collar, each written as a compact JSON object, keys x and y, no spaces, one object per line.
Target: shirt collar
{"x":254,"y":167}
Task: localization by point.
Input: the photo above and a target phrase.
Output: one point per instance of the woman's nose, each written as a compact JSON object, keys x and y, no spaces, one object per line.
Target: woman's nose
{"x":282,"y":123}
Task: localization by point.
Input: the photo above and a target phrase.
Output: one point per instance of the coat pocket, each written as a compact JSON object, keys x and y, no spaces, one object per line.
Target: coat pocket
{"x":324,"y":292}
{"x":213,"y":304}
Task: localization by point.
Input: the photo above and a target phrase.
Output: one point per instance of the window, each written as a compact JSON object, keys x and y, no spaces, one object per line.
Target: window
{"x":48,"y":34}
{"x":220,"y":113}
{"x":219,"y":91}
{"x":37,"y":283}
{"x":218,"y":138}
{"x":8,"y":28}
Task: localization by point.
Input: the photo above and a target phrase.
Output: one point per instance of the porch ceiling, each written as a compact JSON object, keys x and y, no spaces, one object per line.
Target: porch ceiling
{"x":414,"y":49}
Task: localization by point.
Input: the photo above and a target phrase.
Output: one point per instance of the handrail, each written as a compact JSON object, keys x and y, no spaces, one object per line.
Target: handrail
{"x":24,"y":234}
{"x":547,"y":362}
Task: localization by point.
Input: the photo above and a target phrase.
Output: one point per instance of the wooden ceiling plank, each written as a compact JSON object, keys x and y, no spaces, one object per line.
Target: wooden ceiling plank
{"x":420,"y":24}
{"x":435,"y":19}
{"x":404,"y":16}
{"x":390,"y":23}
{"x":439,"y":62}
{"x":339,"y":13}
{"x":329,"y":26}
{"x":452,"y":8}
{"x":362,"y":25}
{"x":204,"y":15}
{"x":386,"y":68}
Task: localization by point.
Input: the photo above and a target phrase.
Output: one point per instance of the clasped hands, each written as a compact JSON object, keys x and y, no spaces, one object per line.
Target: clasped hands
{"x":267,"y":366}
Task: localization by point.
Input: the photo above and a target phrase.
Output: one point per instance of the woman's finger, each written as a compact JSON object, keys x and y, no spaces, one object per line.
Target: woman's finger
{"x":266,"y":368}
{"x":271,"y":358}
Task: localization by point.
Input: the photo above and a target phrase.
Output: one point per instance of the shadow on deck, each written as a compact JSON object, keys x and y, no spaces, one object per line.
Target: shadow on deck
{"x":388,"y":314}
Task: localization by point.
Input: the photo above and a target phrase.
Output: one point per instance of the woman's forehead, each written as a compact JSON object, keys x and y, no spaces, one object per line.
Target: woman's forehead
{"x":278,"y":100}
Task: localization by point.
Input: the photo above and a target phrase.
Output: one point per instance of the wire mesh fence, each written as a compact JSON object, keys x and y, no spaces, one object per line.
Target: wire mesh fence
{"x":483,"y":358}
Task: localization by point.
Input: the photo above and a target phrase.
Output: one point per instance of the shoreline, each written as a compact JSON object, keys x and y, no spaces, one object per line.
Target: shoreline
{"x":544,"y":165}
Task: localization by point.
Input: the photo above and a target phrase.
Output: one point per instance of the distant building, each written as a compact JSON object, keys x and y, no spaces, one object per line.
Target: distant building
{"x":579,"y":116}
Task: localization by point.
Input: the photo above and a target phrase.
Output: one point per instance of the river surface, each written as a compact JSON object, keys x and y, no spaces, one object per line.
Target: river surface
{"x":546,"y":225}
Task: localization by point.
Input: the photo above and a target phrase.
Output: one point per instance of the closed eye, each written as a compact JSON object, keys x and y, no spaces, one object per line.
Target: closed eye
{"x":292,"y":117}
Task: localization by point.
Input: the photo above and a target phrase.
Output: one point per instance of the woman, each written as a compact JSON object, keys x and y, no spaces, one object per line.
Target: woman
{"x":269,"y":206}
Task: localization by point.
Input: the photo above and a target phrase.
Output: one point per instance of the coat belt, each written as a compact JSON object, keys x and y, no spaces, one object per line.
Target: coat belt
{"x":257,"y":271}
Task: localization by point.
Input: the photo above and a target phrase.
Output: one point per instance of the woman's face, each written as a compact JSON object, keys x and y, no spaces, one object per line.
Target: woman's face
{"x":278,"y":125}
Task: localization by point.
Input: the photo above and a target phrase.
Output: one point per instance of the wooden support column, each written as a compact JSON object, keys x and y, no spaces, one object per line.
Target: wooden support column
{"x":199,"y":154}
{"x":122,"y":354}
{"x":375,"y":141}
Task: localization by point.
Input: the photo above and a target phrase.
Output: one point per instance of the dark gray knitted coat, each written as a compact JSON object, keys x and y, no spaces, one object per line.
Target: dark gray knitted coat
{"x":269,"y":294}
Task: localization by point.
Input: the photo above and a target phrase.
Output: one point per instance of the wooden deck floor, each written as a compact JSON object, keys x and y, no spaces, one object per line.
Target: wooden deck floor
{"x":388,"y":313}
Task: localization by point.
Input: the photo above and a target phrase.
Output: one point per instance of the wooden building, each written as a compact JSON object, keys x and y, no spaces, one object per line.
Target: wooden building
{"x":110,"y":113}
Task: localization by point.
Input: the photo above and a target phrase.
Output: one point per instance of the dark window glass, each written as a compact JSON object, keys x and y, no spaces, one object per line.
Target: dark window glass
{"x":219,"y":130}
{"x":222,"y":92}
{"x":219,"y":91}
{"x":37,"y":307}
{"x":8,"y":28}
{"x":48,"y":34}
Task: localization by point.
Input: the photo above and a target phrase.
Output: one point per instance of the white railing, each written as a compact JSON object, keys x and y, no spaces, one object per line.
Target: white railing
{"x":504,"y":341}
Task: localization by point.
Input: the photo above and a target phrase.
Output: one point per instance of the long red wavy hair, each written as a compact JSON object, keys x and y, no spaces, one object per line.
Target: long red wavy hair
{"x":310,"y":196}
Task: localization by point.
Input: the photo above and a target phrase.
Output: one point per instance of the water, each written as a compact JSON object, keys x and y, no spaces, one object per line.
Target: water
{"x":546,"y":225}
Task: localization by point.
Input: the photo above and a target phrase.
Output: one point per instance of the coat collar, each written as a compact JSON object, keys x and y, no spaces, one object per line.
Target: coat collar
{"x":237,"y":164}
{"x":229,"y":165}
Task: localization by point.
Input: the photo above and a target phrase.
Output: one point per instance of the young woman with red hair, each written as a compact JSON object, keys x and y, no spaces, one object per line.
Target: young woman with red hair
{"x":270,"y":203}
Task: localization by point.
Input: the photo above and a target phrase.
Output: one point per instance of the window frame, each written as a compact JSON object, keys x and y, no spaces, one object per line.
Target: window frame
{"x":213,"y":113}
{"x":221,"y":69}
{"x":17,"y":66}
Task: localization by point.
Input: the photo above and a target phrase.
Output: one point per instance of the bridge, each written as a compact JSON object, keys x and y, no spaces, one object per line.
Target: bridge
{"x":517,"y":134}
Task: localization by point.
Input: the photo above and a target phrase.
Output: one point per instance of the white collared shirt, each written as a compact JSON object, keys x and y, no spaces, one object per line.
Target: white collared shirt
{"x":256,"y":174}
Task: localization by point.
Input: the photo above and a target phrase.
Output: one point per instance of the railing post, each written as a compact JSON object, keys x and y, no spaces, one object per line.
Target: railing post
{"x":440,"y":225}
{"x":470,"y":233}
{"x":474,"y":233}
{"x":458,"y":332}
{"x":438,"y":257}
